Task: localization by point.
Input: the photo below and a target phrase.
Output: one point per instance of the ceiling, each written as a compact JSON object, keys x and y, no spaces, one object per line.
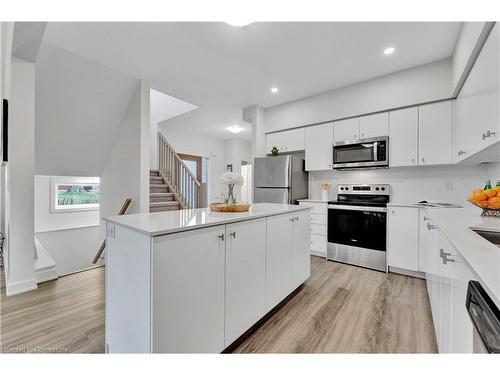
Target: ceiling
{"x":221,"y":68}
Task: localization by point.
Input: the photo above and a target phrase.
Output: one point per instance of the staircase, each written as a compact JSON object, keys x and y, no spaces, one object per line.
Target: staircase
{"x":160,"y":197}
{"x":174,"y":177}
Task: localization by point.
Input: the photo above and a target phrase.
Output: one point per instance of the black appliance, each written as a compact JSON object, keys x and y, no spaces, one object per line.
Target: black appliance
{"x":357,"y":225}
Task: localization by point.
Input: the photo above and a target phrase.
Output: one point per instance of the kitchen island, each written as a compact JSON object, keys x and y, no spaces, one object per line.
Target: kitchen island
{"x":193,"y":281}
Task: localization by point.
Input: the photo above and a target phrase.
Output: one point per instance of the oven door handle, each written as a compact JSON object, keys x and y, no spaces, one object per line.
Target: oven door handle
{"x":356,"y":208}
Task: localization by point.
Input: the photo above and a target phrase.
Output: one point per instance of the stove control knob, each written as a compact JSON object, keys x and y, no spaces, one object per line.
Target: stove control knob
{"x":347,"y":188}
{"x":383,"y":188}
{"x":341,"y":188}
{"x":377,"y":188}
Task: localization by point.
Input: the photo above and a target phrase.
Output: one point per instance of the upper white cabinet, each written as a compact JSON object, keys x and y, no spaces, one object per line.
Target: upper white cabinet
{"x":286,"y":141}
{"x":435,"y":133}
{"x":376,"y":125}
{"x":346,"y":130}
{"x":477,"y":124}
{"x":402,"y":239}
{"x":295,"y":139}
{"x":403,"y":137}
{"x":319,"y":147}
{"x":245,"y":276}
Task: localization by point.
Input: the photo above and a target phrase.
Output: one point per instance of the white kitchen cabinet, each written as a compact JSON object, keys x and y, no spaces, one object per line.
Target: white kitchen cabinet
{"x":402,"y":241}
{"x":376,"y":125}
{"x":435,"y":133}
{"x":295,"y":139}
{"x":319,"y":147}
{"x":477,"y":110}
{"x":245,"y":276}
{"x":275,"y":140}
{"x":178,"y":326}
{"x":318,"y":240}
{"x":301,"y":260}
{"x":346,"y":130}
{"x":403,"y":137}
{"x":461,"y":339}
{"x":424,"y":239}
{"x":278,"y":259}
{"x":286,"y":141}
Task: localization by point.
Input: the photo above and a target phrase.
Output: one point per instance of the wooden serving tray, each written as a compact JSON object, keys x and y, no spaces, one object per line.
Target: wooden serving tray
{"x":222,"y":207}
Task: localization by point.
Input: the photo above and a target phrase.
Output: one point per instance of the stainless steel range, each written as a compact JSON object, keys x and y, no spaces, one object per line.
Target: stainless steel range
{"x":357,"y":223}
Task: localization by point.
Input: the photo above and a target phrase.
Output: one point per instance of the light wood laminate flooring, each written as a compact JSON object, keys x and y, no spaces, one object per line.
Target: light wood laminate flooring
{"x":340,"y":309}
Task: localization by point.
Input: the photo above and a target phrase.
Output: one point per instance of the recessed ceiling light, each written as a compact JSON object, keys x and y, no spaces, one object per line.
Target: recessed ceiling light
{"x":389,"y":50}
{"x":274,"y":90}
{"x":235,"y":129}
{"x":238,"y":23}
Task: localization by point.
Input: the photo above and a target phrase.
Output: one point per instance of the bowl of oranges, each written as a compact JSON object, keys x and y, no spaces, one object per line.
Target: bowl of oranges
{"x":487,"y":199}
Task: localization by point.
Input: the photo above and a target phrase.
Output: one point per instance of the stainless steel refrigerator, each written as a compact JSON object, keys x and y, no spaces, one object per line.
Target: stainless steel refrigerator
{"x":280,"y":179}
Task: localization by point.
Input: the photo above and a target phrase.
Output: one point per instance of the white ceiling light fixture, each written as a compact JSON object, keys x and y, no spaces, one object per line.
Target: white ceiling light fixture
{"x":389,"y":50}
{"x":238,"y":23}
{"x":235,"y":129}
{"x":274,"y":90}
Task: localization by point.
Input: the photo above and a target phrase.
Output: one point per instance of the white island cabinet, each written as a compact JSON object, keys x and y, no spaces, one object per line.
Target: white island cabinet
{"x":194,"y":281}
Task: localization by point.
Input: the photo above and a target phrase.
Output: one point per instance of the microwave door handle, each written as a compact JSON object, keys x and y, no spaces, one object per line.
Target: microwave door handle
{"x":375,"y":154}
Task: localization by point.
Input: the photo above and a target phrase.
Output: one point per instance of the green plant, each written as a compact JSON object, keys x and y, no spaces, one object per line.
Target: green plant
{"x":275,"y":151}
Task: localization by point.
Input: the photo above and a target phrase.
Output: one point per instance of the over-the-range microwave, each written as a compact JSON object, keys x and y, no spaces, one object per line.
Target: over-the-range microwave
{"x":361,"y":153}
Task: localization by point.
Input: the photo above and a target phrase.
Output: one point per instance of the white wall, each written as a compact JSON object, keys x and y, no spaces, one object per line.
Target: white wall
{"x":423,"y":83}
{"x":71,"y":249}
{"x":124,"y":172}
{"x":199,"y":145}
{"x":255,"y":116}
{"x":45,"y":220}
{"x":80,"y":105}
{"x":236,"y":151}
{"x":467,"y":39}
{"x":449,"y":183}
{"x":20,"y":268}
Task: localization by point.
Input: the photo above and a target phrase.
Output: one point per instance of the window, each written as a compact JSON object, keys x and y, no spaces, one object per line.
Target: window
{"x":75,"y":194}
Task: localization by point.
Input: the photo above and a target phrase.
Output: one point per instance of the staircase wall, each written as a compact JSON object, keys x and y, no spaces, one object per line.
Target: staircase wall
{"x":126,"y":172}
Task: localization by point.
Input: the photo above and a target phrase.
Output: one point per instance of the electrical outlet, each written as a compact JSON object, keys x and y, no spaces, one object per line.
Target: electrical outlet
{"x":111,"y":231}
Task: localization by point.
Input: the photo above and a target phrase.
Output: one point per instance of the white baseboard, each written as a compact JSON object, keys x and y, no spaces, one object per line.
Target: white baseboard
{"x":20,"y":287}
{"x":46,"y":274}
{"x":318,"y":254}
{"x":402,"y":271}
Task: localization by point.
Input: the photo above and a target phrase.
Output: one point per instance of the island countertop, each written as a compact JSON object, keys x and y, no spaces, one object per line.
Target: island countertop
{"x":168,"y":222}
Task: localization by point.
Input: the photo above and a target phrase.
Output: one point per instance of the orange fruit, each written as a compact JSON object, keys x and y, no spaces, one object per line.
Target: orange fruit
{"x":480,"y":196}
{"x":490,"y":193}
{"x":471,"y":197}
{"x":478,"y":191}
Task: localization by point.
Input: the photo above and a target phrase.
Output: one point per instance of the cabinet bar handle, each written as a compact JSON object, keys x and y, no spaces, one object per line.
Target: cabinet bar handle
{"x":233,"y":234}
{"x":221,"y":237}
{"x":429,"y":226}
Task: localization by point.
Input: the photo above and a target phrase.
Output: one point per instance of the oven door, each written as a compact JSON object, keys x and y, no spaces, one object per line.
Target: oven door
{"x":372,"y":152}
{"x":357,"y":235}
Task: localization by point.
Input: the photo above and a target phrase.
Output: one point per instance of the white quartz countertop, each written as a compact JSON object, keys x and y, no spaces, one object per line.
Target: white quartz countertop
{"x":160,"y":223}
{"x":482,"y":255}
{"x":313,"y":200}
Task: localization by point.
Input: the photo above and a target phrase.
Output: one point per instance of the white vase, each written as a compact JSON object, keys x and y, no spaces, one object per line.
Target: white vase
{"x":324,"y":195}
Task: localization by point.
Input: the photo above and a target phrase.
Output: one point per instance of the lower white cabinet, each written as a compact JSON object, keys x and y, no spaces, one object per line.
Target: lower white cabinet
{"x":301,"y":260}
{"x":319,"y":232}
{"x":245,"y":276}
{"x":402,"y":239}
{"x":447,"y":275}
{"x":188,"y":292}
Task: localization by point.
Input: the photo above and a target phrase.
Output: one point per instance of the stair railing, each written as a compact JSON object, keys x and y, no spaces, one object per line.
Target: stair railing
{"x":184,"y":185}
{"x":122,"y":211}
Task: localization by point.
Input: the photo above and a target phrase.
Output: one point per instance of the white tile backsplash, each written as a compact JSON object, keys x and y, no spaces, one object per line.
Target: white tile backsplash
{"x":450,"y":183}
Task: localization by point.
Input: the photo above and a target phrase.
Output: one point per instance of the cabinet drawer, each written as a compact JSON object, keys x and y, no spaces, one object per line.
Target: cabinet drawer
{"x":318,"y":219}
{"x":318,"y":229}
{"x":318,"y":243}
{"x":317,"y":208}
